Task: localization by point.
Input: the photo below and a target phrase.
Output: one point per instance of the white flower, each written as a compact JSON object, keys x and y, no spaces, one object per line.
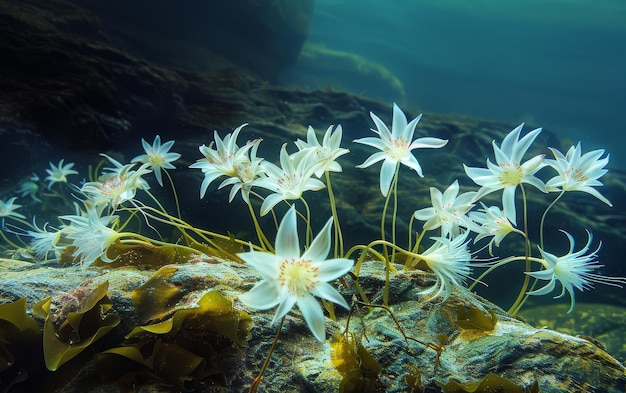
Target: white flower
{"x":572,"y":270}
{"x":578,"y":172}
{"x":450,"y":261}
{"x":292,"y":279}
{"x":91,"y":236}
{"x":30,"y":188}
{"x":7,"y":208}
{"x":493,"y":222}
{"x":223,"y":160}
{"x":290,"y":180}
{"x":117,"y":186}
{"x":509,"y":172}
{"x":396,"y":146}
{"x":248,"y":169}
{"x":448,"y":210}
{"x":58,"y":174}
{"x":327,"y":152}
{"x":157,"y":156}
{"x":44,"y":240}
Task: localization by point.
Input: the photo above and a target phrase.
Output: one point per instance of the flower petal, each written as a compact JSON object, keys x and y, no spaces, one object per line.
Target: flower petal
{"x":333,"y":268}
{"x":264,"y":263}
{"x":262,"y":296}
{"x":313,"y":315}
{"x":326,"y":291}
{"x":387,"y":172}
{"x":320,"y":246}
{"x":287,"y":243}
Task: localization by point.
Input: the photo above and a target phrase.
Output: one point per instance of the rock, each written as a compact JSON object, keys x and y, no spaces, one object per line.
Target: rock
{"x":514,"y":350}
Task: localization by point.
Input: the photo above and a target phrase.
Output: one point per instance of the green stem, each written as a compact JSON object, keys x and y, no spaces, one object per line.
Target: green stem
{"x":384,"y":215}
{"x":174,"y":192}
{"x":255,"y":383}
{"x":309,"y":232}
{"x":263,"y":241}
{"x":543,"y":218}
{"x":520,"y":297}
{"x":502,"y":263}
{"x":338,"y":236}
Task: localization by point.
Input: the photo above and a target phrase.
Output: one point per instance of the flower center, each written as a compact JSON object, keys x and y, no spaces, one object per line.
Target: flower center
{"x":398,"y":148}
{"x":579,"y":175}
{"x":511,"y":175}
{"x":156,"y":160}
{"x":298,"y":276}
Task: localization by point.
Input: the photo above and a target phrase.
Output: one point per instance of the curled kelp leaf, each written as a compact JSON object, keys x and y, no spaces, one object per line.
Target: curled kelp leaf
{"x":492,"y":383}
{"x":73,"y":321}
{"x":156,"y":298}
{"x":359,"y":368}
{"x":20,"y":345}
{"x":475,"y":319}
{"x":142,"y":256}
{"x":181,"y":350}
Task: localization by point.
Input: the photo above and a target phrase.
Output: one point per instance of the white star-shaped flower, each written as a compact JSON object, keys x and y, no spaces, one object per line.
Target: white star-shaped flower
{"x":450,"y":261}
{"x":223,"y":160}
{"x":157,"y":156}
{"x":572,"y":270}
{"x":290,"y":180}
{"x":578,"y":172}
{"x":59,"y":174}
{"x":395,"y":146}
{"x":292,"y":279}
{"x":327,"y":152}
{"x":508,"y":172}
{"x":448,"y":210}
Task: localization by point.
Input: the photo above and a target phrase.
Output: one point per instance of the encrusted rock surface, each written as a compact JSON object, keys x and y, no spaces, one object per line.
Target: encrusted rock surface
{"x":522,"y":353}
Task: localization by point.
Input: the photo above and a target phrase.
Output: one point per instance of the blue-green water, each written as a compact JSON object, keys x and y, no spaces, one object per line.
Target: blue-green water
{"x":555,"y":64}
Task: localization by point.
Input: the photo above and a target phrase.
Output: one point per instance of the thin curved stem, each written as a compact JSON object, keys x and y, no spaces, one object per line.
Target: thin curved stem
{"x":384,"y":215}
{"x":255,"y":383}
{"x":519,"y":300}
{"x":338,"y":236}
{"x":543,"y":218}
{"x":500,"y":264}
{"x":308,"y":237}
{"x":266,"y":245}
{"x":169,"y":177}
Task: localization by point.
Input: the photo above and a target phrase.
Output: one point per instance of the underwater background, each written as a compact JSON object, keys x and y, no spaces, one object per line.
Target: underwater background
{"x":80,"y":78}
{"x":558,"y":64}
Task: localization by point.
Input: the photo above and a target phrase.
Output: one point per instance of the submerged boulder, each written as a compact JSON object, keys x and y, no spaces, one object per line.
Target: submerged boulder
{"x":424,"y":347}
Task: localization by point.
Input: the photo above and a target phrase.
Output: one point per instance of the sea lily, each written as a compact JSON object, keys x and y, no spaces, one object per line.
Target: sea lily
{"x":292,"y":279}
{"x":327,"y":152}
{"x":157,"y":156}
{"x":492,"y":222}
{"x":290,"y":180}
{"x":7,"y":209}
{"x":117,"y":185}
{"x":572,"y":270}
{"x":91,"y":235}
{"x":508,"y":172}
{"x":224,"y":159}
{"x":448,"y":210}
{"x":578,"y":172}
{"x":59,"y":173}
{"x":450,"y":261}
{"x":395,"y":146}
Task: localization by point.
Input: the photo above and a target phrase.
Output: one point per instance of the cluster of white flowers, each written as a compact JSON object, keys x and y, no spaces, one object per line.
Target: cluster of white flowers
{"x":92,"y":229}
{"x":291,"y":276}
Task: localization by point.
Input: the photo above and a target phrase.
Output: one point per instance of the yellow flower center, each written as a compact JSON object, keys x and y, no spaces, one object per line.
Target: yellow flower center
{"x":298,"y":276}
{"x":579,"y":175}
{"x":511,"y":175}
{"x":398,"y":148}
{"x":156,"y":159}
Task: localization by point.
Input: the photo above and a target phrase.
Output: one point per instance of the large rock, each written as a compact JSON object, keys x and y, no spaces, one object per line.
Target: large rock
{"x":514,"y":350}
